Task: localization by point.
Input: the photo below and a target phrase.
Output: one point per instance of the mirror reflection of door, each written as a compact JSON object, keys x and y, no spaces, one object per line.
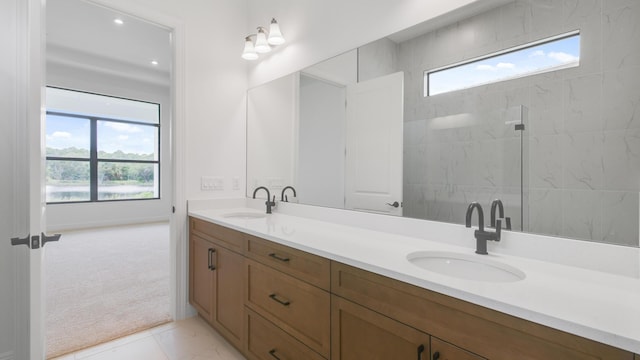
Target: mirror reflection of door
{"x":373,"y":179}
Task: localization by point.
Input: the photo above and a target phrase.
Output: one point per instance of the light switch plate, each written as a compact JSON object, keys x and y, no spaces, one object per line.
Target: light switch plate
{"x":211,"y":183}
{"x":235,"y":183}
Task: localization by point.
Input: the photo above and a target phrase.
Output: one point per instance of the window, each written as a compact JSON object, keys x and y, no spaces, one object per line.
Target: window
{"x":101,"y":148}
{"x":558,"y":52}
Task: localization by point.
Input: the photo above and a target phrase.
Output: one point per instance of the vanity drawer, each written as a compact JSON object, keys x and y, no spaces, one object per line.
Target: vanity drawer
{"x":267,"y":341}
{"x":300,"y":309}
{"x":488,"y":333}
{"x":231,"y":239}
{"x":302,"y":265}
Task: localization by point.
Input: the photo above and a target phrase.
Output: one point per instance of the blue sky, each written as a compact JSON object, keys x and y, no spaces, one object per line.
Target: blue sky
{"x":547,"y":56}
{"x":64,"y":132}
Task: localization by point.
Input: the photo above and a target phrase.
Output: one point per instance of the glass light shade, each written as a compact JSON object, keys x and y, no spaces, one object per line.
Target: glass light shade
{"x":261,"y":42}
{"x":275,"y":36}
{"x":249,"y":52}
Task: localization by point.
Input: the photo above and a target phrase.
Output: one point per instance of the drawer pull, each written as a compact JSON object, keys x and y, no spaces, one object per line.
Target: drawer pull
{"x":211,"y":252}
{"x":420,"y":351}
{"x":283,"y":302}
{"x":275,"y":256}
{"x":272,"y":352}
{"x":436,"y":355}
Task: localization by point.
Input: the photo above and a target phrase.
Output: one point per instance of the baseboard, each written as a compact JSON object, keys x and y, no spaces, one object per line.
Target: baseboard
{"x":101,"y":224}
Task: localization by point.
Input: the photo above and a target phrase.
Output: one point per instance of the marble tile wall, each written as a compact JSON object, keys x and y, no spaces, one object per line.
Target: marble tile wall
{"x":581,"y":148}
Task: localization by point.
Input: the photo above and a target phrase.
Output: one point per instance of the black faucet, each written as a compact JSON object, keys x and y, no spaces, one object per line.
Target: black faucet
{"x":284,"y":197}
{"x":269,"y":203}
{"x":482,"y":236}
{"x":497,"y":204}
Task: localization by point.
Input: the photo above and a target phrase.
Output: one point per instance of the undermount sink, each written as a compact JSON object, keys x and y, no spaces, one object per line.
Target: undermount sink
{"x":244,"y":215}
{"x":465,"y":266}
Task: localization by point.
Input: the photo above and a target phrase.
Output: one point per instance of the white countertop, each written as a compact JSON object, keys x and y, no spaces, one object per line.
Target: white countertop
{"x":596,"y":305}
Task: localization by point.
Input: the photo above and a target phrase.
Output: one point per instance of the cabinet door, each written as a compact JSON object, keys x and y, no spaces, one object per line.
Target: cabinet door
{"x":442,"y":350}
{"x":228,"y":316}
{"x":359,"y":333}
{"x":200,"y":276}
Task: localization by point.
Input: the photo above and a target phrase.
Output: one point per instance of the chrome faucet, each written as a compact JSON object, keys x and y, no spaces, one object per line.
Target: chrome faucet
{"x":269,"y":203}
{"x":497,"y":205}
{"x":284,"y":197}
{"x":481,"y":235}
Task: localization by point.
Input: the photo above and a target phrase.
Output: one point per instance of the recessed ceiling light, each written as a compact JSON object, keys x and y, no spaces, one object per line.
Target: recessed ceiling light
{"x":118,"y":21}
{"x":154,"y":63}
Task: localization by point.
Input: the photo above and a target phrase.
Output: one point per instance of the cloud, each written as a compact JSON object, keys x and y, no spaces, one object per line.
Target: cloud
{"x":506,"y":66}
{"x":499,"y":66}
{"x":537,"y":53}
{"x":121,"y":127}
{"x":59,"y":135}
{"x":485,"y":67}
{"x":563,"y":57}
{"x":123,"y":137}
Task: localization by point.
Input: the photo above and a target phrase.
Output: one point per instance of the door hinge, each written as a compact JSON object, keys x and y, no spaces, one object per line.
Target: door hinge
{"x":519,"y":127}
{"x":173,"y":209}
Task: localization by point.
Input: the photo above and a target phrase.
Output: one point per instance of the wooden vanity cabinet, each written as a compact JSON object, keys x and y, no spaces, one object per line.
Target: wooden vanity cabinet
{"x":300,"y":309}
{"x":476,"y":329}
{"x":359,"y":333}
{"x":442,"y":350}
{"x":275,"y":302}
{"x":216,"y":281}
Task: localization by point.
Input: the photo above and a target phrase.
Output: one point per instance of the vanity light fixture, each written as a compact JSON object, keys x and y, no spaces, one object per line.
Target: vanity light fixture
{"x":263,"y":41}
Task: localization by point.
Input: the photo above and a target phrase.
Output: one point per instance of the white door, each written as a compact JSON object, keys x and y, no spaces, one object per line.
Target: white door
{"x":373,"y":178}
{"x":22,"y":203}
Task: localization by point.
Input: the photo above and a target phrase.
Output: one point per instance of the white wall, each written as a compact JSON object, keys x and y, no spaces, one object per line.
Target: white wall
{"x":317,"y":30}
{"x":321,"y":143}
{"x":215,"y":83}
{"x":272,"y":114}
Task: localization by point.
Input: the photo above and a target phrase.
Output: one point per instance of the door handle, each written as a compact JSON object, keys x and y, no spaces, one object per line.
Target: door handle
{"x":45,"y":239}
{"x":395,"y":204}
{"x":19,"y":241}
{"x":35,"y":242}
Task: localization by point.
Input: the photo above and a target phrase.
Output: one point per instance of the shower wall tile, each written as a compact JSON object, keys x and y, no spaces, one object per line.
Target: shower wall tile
{"x":545,"y":211}
{"x":546,"y":111}
{"x":622,"y":160}
{"x":583,"y":160}
{"x":620,"y":218}
{"x":585,"y":15}
{"x":583,"y":109}
{"x":621,"y":99}
{"x":621,"y":32}
{"x":515,"y":20}
{"x":546,"y":18}
{"x":582,"y":214}
{"x":546,"y":161}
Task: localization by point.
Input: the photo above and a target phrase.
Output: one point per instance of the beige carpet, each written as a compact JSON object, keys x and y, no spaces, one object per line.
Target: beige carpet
{"x":102,"y":284}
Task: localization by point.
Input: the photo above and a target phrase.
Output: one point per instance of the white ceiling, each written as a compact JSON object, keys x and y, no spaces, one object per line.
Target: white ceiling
{"x":78,"y":30}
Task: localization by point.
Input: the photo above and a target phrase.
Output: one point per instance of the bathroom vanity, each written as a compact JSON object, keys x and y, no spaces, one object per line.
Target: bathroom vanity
{"x":275,"y":292}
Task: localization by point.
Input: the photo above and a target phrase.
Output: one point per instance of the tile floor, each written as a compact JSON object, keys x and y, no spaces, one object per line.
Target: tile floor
{"x":189,"y":339}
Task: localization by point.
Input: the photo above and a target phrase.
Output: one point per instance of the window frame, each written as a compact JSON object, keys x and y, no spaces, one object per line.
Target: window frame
{"x":427,"y":73}
{"x":93,"y":159}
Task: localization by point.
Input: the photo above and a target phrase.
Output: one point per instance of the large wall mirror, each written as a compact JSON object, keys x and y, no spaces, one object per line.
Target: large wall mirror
{"x":536,"y":103}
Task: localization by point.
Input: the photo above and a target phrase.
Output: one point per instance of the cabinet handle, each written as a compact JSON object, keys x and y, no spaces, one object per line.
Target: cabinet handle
{"x":275,"y":256}
{"x":211,"y":266}
{"x":209,"y":258}
{"x":283,"y":302}
{"x":420,"y":351}
{"x":436,"y":355}
{"x":272,"y":352}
